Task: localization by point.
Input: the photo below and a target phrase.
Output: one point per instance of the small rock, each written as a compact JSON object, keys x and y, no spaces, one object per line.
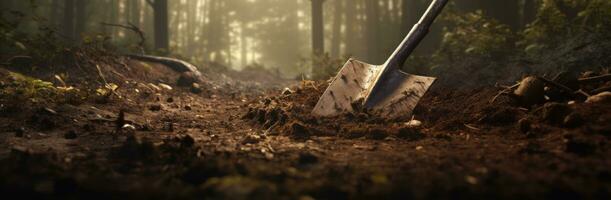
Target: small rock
{"x":471,"y":180}
{"x":70,"y":135}
{"x":170,"y":100}
{"x":196,"y":88}
{"x":154,"y":87}
{"x":252,"y":139}
{"x":186,"y":79}
{"x":165,"y":86}
{"x":188,"y":107}
{"x":413,"y":123}
{"x":287,"y":91}
{"x":128,"y":129}
{"x":531,"y":91}
{"x":155,"y":107}
{"x":50,"y":111}
{"x":603,"y":97}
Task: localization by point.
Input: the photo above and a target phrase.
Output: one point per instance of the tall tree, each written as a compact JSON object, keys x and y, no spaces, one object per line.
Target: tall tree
{"x":81,"y":18}
{"x":162,"y":36}
{"x":338,"y":7}
{"x":529,"y":12}
{"x":54,"y":12}
{"x":68,"y":21}
{"x":351,"y":32}
{"x":318,"y":40}
{"x":373,"y":31}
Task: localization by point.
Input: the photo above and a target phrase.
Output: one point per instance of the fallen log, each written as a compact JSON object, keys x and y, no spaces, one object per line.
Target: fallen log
{"x":174,"y":64}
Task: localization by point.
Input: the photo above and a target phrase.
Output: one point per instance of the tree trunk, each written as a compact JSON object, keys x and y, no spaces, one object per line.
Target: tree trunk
{"x":244,"y":50}
{"x":68,"y":22}
{"x":337,"y":28}
{"x":81,"y":18}
{"x":372,"y":31}
{"x":54,"y":12}
{"x":162,"y":39}
{"x":529,"y":12}
{"x":318,"y":40}
{"x":349,"y":38}
{"x":134,"y":12}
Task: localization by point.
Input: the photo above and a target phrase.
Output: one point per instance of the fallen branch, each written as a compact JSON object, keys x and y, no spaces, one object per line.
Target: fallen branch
{"x":606,"y":77}
{"x":504,"y":91}
{"x":133,"y":28}
{"x":557,"y":85}
{"x":601,"y":89}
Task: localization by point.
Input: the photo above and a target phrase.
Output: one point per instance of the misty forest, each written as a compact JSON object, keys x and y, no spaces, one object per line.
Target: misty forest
{"x":305,"y":99}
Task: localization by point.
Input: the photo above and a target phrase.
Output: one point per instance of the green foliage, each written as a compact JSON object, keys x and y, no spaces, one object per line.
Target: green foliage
{"x":559,"y":20}
{"x":473,"y":34}
{"x":40,"y":41}
{"x":18,"y":91}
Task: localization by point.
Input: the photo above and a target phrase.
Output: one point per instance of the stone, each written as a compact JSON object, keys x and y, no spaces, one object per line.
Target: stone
{"x":603,"y":97}
{"x":196,"y":88}
{"x":531,"y":91}
{"x":155,"y":107}
{"x":186,"y":79}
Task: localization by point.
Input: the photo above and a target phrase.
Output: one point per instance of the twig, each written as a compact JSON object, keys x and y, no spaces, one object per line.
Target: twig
{"x":133,"y":28}
{"x":557,"y":85}
{"x":580,"y":91}
{"x":606,"y":77}
{"x":601,"y":89}
{"x":505,"y":91}
{"x":472,"y":127}
{"x":100,"y":74}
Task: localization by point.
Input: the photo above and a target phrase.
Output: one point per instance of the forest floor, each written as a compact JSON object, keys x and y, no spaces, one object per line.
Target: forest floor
{"x":233,"y":138}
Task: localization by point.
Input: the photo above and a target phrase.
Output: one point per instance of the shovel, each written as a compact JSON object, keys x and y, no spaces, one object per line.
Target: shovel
{"x":383,"y":90}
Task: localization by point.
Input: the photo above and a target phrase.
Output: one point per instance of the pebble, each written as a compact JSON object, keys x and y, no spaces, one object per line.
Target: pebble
{"x":165,"y":86}
{"x":413,"y":123}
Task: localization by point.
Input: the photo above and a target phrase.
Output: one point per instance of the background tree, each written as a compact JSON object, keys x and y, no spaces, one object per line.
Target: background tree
{"x":160,"y":10}
{"x":318,"y":41}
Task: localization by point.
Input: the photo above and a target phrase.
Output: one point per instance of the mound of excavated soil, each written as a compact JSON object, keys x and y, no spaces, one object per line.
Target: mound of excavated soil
{"x":441,"y":110}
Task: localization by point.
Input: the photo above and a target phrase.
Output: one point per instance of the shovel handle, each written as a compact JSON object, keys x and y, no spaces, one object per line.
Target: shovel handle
{"x":415,"y":36}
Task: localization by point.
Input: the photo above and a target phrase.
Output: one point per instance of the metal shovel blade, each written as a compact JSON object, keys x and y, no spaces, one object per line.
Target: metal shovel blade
{"x":381,"y":89}
{"x":350,"y":87}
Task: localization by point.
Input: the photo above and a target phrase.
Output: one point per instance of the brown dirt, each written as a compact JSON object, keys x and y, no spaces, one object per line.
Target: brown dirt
{"x":238,"y":144}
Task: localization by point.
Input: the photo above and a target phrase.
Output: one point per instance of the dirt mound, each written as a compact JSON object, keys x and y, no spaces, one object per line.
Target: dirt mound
{"x":288,"y":112}
{"x":441,"y":111}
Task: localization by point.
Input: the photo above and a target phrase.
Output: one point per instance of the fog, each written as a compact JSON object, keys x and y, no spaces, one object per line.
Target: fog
{"x":276,"y":34}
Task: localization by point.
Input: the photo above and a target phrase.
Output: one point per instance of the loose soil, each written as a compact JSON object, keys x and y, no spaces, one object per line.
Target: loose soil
{"x":235,"y":141}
